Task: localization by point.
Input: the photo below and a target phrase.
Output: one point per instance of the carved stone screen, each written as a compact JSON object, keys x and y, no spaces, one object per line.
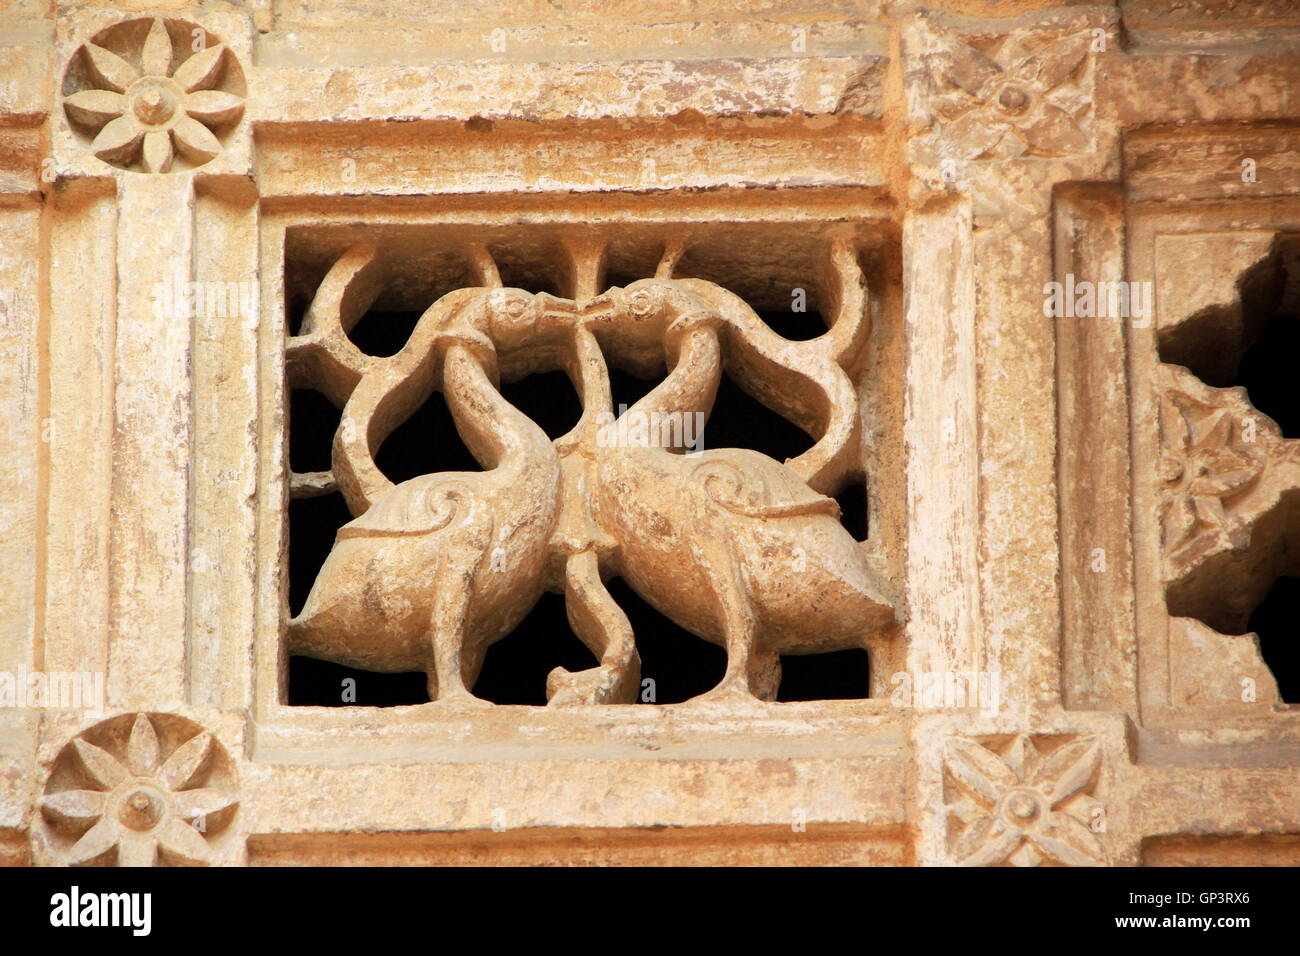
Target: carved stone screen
{"x":822,"y":433}
{"x":727,"y":543}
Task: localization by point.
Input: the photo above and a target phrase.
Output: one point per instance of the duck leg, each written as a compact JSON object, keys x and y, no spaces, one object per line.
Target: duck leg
{"x":455,"y":587}
{"x":749,"y":671}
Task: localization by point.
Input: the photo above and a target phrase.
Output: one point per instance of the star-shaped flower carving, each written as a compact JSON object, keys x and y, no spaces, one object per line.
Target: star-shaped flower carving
{"x":1018,"y":798}
{"x":1016,"y":102}
{"x":1202,"y":467}
{"x":158,"y":110}
{"x":142,"y":804}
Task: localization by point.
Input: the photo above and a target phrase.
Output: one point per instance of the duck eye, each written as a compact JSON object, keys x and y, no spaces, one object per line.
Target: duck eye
{"x":515,"y":308}
{"x":641,"y":302}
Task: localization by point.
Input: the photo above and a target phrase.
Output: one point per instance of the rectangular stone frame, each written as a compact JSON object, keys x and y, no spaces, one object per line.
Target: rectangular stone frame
{"x":842,"y":761}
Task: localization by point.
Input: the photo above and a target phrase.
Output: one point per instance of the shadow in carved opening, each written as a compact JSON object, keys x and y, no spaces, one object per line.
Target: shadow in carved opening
{"x":295,"y":309}
{"x":313,"y":522}
{"x":1277,"y":622}
{"x":738,"y":420}
{"x":315,"y":683}
{"x":313,"y":419}
{"x":675,"y":664}
{"x":1212,"y":341}
{"x":528,"y":266}
{"x":515,"y":668}
{"x":1230,"y":478}
{"x":627,"y":389}
{"x":548,"y":398}
{"x":854,"y":512}
{"x":839,"y":675}
{"x":425,"y":442}
{"x":383,"y":333}
{"x":443,"y":563}
{"x":795,"y":326}
{"x":1267,"y":372}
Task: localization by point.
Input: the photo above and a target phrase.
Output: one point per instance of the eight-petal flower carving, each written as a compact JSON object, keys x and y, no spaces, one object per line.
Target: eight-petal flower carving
{"x":141,"y":803}
{"x":1018,"y":796}
{"x":1017,"y":101}
{"x":153,"y":112}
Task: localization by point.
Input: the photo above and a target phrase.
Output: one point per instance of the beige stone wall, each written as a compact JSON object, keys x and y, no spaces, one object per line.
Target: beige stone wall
{"x":1069,"y":509}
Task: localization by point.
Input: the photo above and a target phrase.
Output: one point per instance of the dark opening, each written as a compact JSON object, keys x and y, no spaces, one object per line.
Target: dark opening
{"x":740,"y":421}
{"x":838,"y":675}
{"x":853,"y":511}
{"x":424,"y":443}
{"x":295,"y":312}
{"x":515,"y":668}
{"x":681,"y":665}
{"x":314,"y":683}
{"x":548,"y":398}
{"x":313,"y":419}
{"x":312,"y":525}
{"x":796,"y":326}
{"x":626,"y":389}
{"x":1277,"y":622}
{"x":1267,"y":373}
{"x":1210,"y":343}
{"x":383,"y":333}
{"x":737,"y":420}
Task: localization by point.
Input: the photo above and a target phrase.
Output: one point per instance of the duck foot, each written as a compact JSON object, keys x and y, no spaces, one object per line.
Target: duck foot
{"x":462,"y":700}
{"x":731,"y":690}
{"x":597,"y":685}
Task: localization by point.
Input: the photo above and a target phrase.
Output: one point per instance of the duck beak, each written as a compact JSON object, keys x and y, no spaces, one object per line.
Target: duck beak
{"x":599,"y":308}
{"x":556,"y":312}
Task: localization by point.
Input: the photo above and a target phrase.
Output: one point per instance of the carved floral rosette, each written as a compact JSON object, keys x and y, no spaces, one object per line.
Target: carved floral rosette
{"x":1224,"y":470}
{"x":154,"y":95}
{"x":139,"y":790}
{"x":1025,"y":94}
{"x":1023,"y":800}
{"x":1214,"y":449}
